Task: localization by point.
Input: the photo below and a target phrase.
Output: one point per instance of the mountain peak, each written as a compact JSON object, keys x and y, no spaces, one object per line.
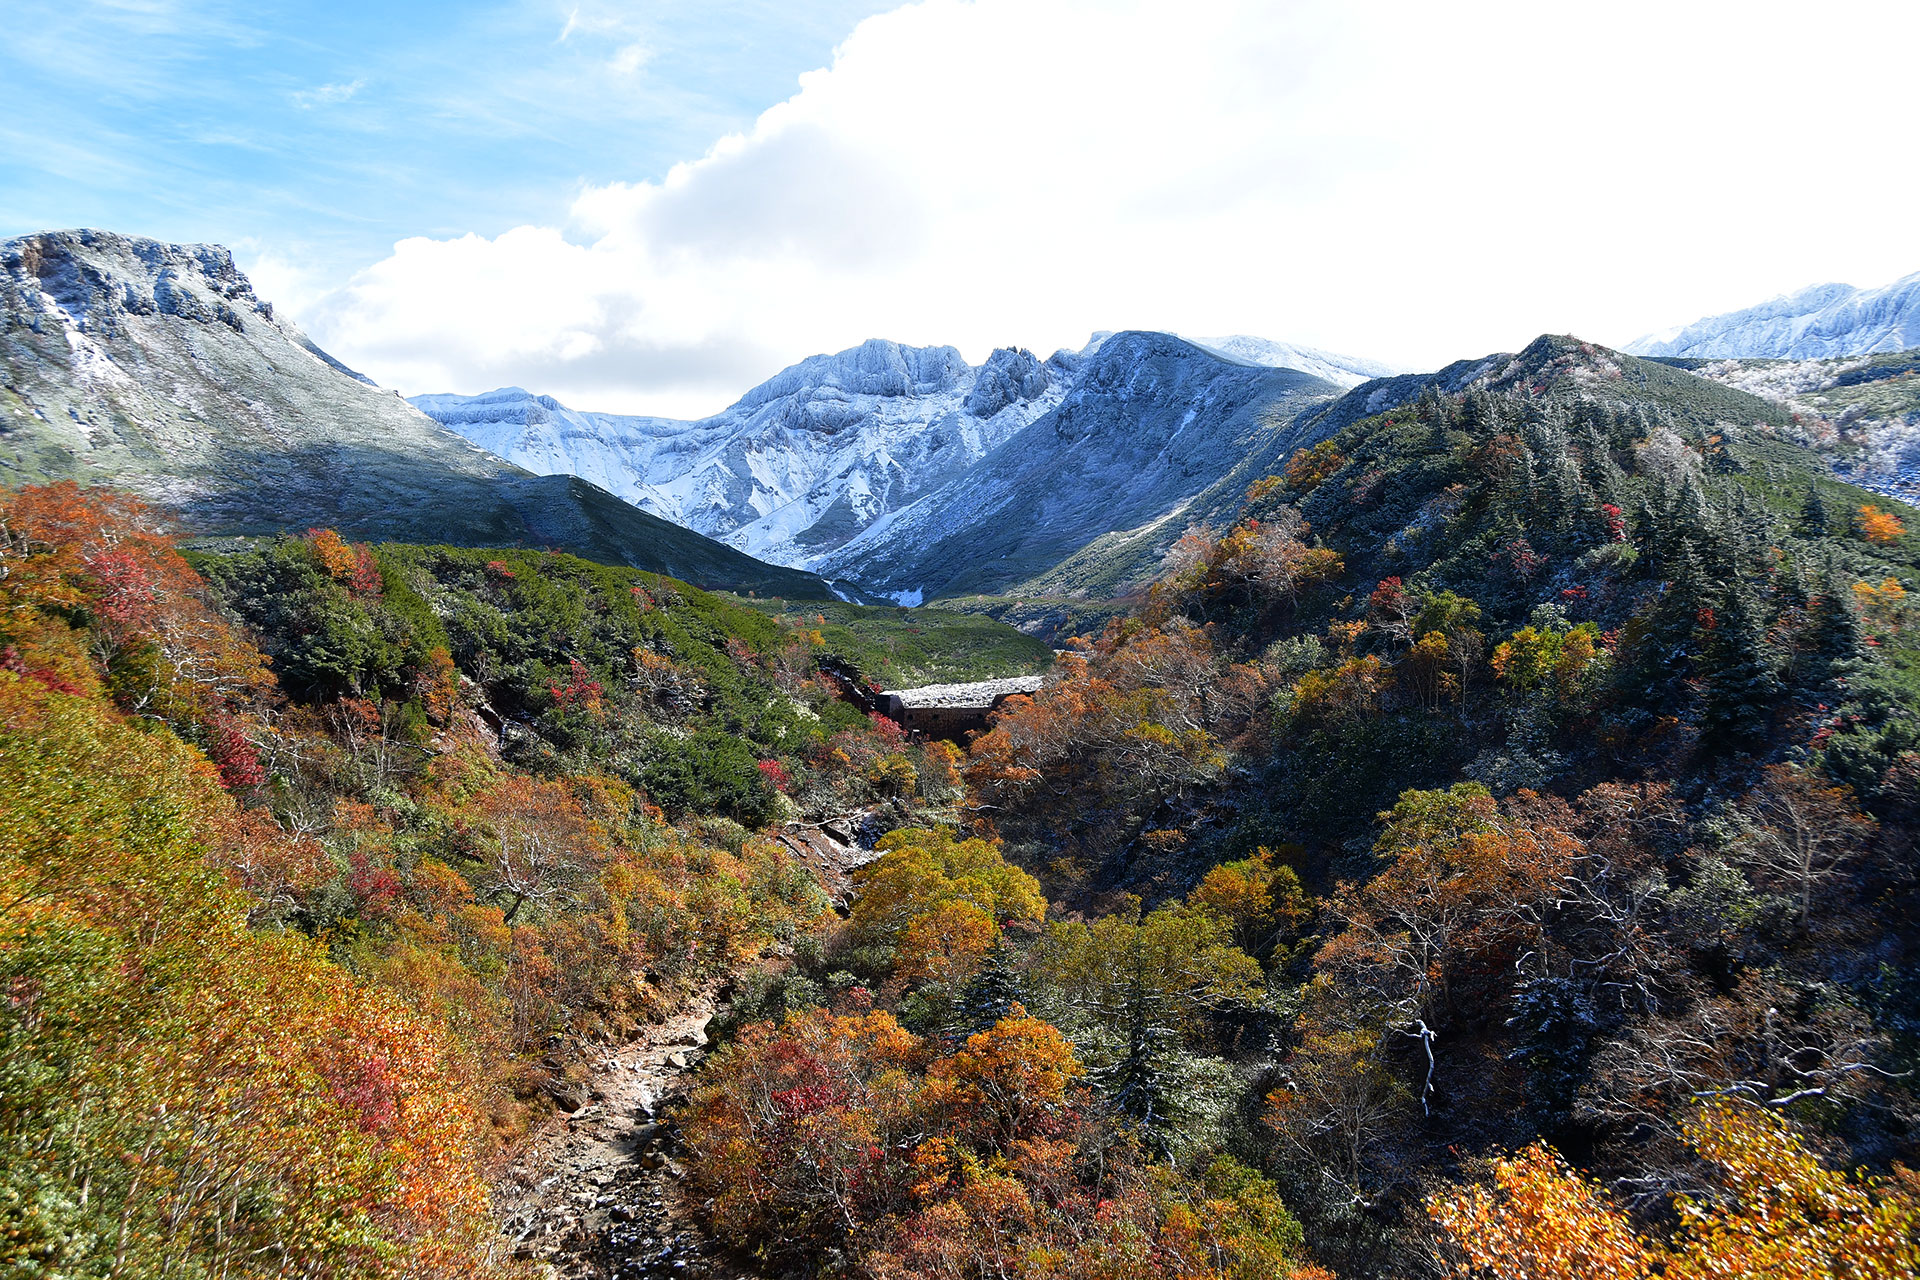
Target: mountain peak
{"x":876,"y":367}
{"x":155,"y":367}
{"x":95,"y":279}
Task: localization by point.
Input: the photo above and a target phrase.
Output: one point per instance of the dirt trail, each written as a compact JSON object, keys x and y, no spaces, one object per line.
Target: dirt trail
{"x":597,"y":1194}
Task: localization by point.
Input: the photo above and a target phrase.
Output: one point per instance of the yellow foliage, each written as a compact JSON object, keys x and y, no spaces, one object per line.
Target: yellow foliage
{"x":1307,"y":468}
{"x":1882,"y":528}
{"x":1784,"y":1214}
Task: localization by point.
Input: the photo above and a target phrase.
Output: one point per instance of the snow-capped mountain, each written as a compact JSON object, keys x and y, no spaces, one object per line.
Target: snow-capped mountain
{"x":1821,"y":321}
{"x":801,"y":463}
{"x":825,"y":450}
{"x":1154,"y":434}
{"x":1342,"y":371}
{"x":157,"y":368}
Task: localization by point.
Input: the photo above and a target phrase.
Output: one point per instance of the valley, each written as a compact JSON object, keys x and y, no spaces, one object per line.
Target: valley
{"x":1146,"y":812}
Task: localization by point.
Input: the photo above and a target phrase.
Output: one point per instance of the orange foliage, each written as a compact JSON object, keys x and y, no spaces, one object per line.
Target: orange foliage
{"x":847,"y":1133}
{"x":945,"y":944}
{"x":1307,"y":468}
{"x":1007,"y":1082}
{"x":1138,"y":714}
{"x":1463,"y":880}
{"x":1782,"y":1214}
{"x":1884,"y":604}
{"x":164,"y":650}
{"x":1349,"y":690}
{"x":1882,"y":528}
{"x":1255,"y":896}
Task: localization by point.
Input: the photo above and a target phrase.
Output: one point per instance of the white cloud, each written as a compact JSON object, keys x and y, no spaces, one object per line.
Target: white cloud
{"x":1404,"y":180}
{"x":630,"y":58}
{"x":327,"y":95}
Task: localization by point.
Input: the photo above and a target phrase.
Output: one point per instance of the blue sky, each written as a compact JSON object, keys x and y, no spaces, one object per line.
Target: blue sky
{"x":328,"y":131}
{"x":648,"y":207}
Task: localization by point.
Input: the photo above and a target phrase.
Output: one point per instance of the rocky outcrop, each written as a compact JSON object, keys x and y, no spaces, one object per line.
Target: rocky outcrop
{"x":1010,"y":376}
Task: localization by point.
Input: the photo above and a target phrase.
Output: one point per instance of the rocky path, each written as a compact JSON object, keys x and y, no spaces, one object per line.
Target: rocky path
{"x":597,"y":1193}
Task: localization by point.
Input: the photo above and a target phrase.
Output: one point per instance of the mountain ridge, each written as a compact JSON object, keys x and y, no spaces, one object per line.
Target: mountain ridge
{"x":1153,"y":421}
{"x":156,"y":367}
{"x":827,"y":448}
{"x":1820,"y":321}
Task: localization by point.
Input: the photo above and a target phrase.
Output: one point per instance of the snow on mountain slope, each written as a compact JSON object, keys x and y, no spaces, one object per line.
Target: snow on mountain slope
{"x":1822,"y":321}
{"x":1151,"y":426}
{"x":803,"y":462}
{"x":1863,"y":412}
{"x":155,"y":367}
{"x":1342,"y":371}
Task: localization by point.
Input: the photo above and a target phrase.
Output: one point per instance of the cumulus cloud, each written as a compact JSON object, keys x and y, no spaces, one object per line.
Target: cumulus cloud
{"x":1403,"y":180}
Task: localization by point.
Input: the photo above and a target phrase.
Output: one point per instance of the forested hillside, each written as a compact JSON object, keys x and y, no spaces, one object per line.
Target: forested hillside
{"x":300,"y":942}
{"x":1485,"y":850}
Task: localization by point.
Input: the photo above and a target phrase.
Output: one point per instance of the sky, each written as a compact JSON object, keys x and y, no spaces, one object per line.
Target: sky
{"x":649,"y":207}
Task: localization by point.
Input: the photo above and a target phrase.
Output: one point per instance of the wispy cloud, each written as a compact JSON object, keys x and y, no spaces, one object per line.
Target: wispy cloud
{"x":326,"y":95}
{"x":631,"y":58}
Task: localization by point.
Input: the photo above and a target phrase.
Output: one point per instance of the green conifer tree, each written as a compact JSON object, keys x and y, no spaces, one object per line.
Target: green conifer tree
{"x":1740,"y":688}
{"x":1815,"y":522}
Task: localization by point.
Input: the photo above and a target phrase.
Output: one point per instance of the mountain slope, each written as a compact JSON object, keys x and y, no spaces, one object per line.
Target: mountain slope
{"x":1151,"y":423}
{"x":1821,"y":321}
{"x":155,"y":367}
{"x":1342,"y":371}
{"x":1563,"y":368}
{"x":803,"y":462}
{"x":1862,"y":411}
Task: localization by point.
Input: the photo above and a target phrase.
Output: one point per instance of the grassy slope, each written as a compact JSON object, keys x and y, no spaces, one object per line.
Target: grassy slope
{"x":900,"y":648}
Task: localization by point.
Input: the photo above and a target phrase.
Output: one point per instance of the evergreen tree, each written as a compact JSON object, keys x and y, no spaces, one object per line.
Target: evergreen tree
{"x":1139,"y":1085}
{"x":1740,"y":685}
{"x":1555,"y":1024}
{"x":1814,"y":520}
{"x":1837,"y":648}
{"x":989,"y":995}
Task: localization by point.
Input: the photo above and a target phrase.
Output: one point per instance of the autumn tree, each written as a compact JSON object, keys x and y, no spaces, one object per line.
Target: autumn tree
{"x":1882,"y":528}
{"x":1775,"y":1211}
{"x":1458,"y":880}
{"x":1802,"y":834}
{"x":1258,"y":897}
{"x":940,"y":902}
{"x":1134,"y":718}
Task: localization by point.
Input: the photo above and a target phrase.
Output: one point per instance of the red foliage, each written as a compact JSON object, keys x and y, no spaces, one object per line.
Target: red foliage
{"x":364,"y":580}
{"x":368,"y":1091}
{"x":775,"y":775}
{"x":581,"y":689}
{"x":374,"y":887}
{"x":10,"y":660}
{"x":1615,"y":521}
{"x":1520,"y":557}
{"x":123,"y":592}
{"x":233,"y":753}
{"x":892,"y":736}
